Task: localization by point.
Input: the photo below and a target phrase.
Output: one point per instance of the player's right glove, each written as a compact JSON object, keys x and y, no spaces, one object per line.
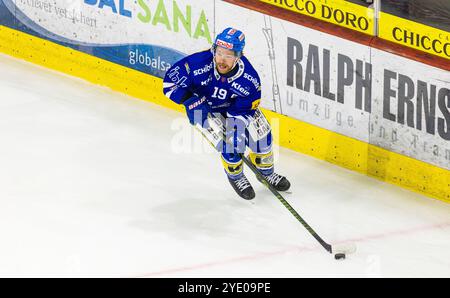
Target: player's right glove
{"x":196,"y":109}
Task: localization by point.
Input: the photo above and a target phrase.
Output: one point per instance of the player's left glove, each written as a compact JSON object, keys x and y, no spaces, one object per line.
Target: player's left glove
{"x":196,"y":109}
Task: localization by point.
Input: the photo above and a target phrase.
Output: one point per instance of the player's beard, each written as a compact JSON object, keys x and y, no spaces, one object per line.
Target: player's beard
{"x":223,"y":68}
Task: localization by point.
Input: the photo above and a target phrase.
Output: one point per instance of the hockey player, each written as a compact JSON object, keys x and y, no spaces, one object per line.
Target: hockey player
{"x":221,"y":92}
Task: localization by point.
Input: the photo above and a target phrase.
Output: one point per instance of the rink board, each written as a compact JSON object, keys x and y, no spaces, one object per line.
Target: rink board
{"x":379,"y":119}
{"x":293,"y":134}
{"x":360,"y":18}
{"x":415,"y":35}
{"x":341,"y":13}
{"x":352,"y":147}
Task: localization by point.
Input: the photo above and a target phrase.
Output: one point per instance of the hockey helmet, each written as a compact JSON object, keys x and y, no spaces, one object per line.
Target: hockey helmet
{"x":231,"y":39}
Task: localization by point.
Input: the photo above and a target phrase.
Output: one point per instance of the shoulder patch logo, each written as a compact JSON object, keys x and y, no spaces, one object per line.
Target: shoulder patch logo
{"x":255,"y":104}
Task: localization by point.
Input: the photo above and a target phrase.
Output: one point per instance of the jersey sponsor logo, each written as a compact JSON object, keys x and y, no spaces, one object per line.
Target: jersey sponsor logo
{"x":240,"y":89}
{"x":224,"y":44}
{"x":203,"y":70}
{"x":253,"y":80}
{"x":206,"y":82}
{"x":174,"y":76}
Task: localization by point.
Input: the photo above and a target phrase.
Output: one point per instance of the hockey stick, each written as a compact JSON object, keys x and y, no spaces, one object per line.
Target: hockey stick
{"x":339,"y":250}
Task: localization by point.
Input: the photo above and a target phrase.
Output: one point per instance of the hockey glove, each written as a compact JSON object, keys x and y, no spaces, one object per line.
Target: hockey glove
{"x":196,"y":109}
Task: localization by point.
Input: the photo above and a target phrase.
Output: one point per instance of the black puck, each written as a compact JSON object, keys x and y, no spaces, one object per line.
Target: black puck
{"x":339,"y":256}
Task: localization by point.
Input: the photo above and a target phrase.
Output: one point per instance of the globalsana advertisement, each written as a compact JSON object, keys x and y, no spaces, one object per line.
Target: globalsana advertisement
{"x":137,"y":34}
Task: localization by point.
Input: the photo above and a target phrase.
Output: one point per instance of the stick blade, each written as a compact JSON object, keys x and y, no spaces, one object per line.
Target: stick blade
{"x":346,"y":248}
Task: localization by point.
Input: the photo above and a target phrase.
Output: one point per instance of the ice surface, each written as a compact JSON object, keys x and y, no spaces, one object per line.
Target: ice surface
{"x":94,"y":183}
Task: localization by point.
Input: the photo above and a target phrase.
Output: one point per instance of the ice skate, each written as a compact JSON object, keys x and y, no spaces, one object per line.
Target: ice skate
{"x":279,"y":182}
{"x":243,"y":188}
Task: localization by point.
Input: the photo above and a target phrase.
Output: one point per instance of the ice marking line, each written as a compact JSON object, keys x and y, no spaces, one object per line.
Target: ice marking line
{"x":292,"y":249}
{"x":228,"y":261}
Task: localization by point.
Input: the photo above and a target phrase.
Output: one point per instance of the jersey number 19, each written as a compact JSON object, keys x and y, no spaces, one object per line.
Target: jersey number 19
{"x":219,"y":93}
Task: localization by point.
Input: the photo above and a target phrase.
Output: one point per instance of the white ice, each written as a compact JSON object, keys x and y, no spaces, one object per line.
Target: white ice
{"x":92,"y":184}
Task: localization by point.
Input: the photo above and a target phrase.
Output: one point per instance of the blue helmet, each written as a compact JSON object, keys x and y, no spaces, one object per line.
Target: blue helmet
{"x":231,"y":39}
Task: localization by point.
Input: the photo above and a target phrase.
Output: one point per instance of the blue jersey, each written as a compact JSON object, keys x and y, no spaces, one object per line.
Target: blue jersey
{"x":235,"y":94}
